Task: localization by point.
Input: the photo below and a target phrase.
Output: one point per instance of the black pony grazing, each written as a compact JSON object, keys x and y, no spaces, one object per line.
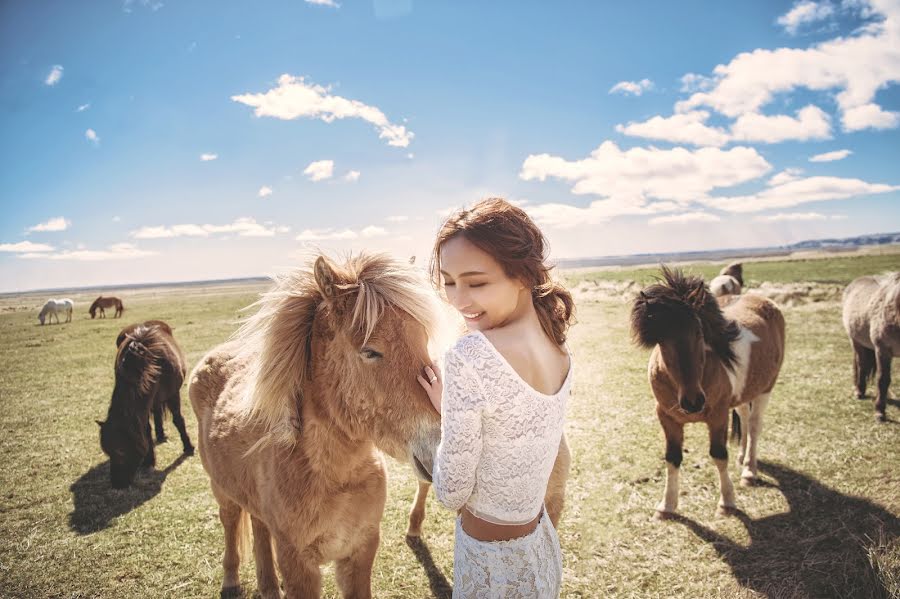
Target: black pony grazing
{"x":149,"y":371}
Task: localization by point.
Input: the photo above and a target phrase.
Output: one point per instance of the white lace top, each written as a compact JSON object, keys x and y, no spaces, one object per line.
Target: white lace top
{"x":499,"y":436}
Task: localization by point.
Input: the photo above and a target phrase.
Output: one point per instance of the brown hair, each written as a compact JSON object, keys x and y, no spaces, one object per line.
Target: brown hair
{"x":508,"y":234}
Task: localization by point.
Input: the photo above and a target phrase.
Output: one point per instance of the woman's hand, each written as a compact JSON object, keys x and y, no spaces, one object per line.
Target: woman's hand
{"x":433,"y":385}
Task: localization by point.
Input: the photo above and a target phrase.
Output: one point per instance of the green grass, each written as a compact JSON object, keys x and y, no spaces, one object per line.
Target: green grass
{"x":826,"y":524}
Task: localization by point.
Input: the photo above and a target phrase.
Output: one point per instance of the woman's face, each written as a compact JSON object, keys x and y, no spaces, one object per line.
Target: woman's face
{"x":477,"y":287}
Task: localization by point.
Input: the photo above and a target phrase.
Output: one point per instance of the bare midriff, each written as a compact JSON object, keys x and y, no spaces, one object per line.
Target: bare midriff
{"x":483,"y":530}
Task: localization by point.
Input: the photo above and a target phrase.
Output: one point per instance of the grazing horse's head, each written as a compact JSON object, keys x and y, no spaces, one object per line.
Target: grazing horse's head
{"x":341,"y":345}
{"x":681,"y":316}
{"x":124,"y":436}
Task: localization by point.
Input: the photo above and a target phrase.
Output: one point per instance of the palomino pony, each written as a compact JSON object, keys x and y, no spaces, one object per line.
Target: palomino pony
{"x":706,"y":361}
{"x":53,"y":307}
{"x":101,"y":303}
{"x":730,"y":280}
{"x":871,"y":314}
{"x":149,"y":372}
{"x":292,"y":412}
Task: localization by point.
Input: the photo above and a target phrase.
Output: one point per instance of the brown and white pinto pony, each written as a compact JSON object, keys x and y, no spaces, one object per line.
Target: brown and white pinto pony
{"x":730,"y":280}
{"x":871,"y":315}
{"x":293,"y":410}
{"x":706,"y":361}
{"x":101,"y":303}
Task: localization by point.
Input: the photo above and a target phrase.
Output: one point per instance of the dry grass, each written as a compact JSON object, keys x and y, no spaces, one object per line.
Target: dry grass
{"x":825,"y":523}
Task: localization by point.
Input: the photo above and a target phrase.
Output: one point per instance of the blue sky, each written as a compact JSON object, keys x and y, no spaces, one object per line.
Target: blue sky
{"x":162,"y":141}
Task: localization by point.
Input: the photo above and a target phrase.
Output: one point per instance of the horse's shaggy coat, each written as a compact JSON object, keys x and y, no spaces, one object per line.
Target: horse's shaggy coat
{"x":706,"y":361}
{"x":101,"y":303}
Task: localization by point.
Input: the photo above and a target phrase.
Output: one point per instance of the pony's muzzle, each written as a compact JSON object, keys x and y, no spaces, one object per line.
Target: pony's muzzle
{"x":693,"y":406}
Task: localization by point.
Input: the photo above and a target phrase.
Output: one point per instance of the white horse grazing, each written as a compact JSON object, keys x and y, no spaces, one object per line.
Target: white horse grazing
{"x":54,"y":306}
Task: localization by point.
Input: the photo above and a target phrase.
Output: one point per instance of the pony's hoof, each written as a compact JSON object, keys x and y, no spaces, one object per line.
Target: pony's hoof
{"x":161,"y":440}
{"x":231,"y":592}
{"x":726,"y":510}
{"x":413,"y":534}
{"x":880,"y":417}
{"x":748,"y":481}
{"x":663,"y":515}
{"x":188,"y":451}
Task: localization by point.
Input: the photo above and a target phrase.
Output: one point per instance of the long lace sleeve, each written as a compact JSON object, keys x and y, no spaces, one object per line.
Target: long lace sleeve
{"x":458,"y":454}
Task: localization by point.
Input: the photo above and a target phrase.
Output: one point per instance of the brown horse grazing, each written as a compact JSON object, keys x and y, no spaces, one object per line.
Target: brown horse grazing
{"x":292,"y":409}
{"x":106,"y":302}
{"x":730,"y":280}
{"x":554,"y":500}
{"x":706,"y":361}
{"x":871,"y":315}
{"x":149,"y":371}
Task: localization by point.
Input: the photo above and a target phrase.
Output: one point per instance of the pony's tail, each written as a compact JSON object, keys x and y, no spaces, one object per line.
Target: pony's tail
{"x":735,"y":426}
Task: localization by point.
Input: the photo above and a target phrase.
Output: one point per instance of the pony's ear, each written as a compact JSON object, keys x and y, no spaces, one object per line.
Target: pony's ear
{"x":99,"y":422}
{"x":325,"y":277}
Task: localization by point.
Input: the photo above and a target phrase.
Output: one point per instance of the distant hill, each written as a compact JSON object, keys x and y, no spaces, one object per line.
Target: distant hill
{"x":831,"y":245}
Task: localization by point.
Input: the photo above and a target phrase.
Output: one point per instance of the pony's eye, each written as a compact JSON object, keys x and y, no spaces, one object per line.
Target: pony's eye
{"x":370,"y":353}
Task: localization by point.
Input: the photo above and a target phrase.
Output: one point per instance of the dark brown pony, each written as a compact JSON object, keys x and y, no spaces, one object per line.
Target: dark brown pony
{"x":106,"y":302}
{"x":149,"y":372}
{"x":705,"y":362}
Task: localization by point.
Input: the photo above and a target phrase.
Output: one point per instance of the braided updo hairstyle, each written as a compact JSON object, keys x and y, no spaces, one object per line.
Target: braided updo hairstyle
{"x":509,"y":235}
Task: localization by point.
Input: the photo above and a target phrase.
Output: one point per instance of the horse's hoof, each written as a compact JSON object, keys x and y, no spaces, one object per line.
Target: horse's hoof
{"x":663,"y":515}
{"x":413,"y":534}
{"x":161,"y":440}
{"x":231,"y":592}
{"x":188,"y":451}
{"x":748,"y":481}
{"x":726,"y":510}
{"x":880,"y":417}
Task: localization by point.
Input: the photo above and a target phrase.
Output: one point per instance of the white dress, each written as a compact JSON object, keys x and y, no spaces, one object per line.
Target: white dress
{"x":499,"y":440}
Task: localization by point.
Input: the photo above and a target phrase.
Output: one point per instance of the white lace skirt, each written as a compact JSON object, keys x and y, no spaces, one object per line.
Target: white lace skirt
{"x":528,"y":567}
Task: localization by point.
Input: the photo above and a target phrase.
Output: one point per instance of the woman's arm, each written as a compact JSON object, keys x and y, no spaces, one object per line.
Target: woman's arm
{"x":459,"y":452}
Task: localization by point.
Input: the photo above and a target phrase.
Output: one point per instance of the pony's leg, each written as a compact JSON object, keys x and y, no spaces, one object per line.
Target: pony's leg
{"x":266,"y":579}
{"x":674,"y":441}
{"x":354,"y":574}
{"x":417,"y":513}
{"x":302,"y":577}
{"x":158,"y":424}
{"x":718,"y":451}
{"x":234,"y":522}
{"x":754,"y":432}
{"x":883,"y":358}
{"x":555,"y":497}
{"x":863,"y":367}
{"x":743,"y":411}
{"x":150,"y":458}
{"x":175,"y":407}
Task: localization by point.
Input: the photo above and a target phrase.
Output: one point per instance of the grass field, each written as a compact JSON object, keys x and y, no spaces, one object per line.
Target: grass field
{"x":826,"y":523}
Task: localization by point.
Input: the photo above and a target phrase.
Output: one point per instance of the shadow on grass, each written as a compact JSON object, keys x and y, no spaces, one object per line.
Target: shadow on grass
{"x":97,"y":504}
{"x":440,"y":588}
{"x":821,"y":547}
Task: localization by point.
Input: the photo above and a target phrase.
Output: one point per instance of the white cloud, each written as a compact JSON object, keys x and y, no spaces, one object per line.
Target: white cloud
{"x":295,"y":98}
{"x":330,"y":3}
{"x":83,"y":107}
{"x":693,"y":82}
{"x":397,"y":219}
{"x":830,"y":156}
{"x":320,"y":170}
{"x":54,"y":224}
{"x":811,"y":123}
{"x":243,"y":227}
{"x":788,"y":174}
{"x":634,"y":88}
{"x":208,"y":157}
{"x":25,"y":246}
{"x":630,"y":180}
{"x":853,"y":67}
{"x":117,"y":251}
{"x":798,"y":191}
{"x":116,"y":219}
{"x":790,"y":217}
{"x":686,"y":217}
{"x":373,"y":231}
{"x":92,"y":136}
{"x":804,"y":12}
{"x":54,"y":75}
{"x":325,"y":234}
{"x":265,"y":191}
{"x":686,"y":127}
{"x":352,"y":176}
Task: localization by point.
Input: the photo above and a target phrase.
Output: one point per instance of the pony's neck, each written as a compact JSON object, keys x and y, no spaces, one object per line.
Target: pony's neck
{"x":128,"y":399}
{"x":331,"y":450}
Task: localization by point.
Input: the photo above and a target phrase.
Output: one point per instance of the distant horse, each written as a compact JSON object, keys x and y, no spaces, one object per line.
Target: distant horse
{"x":53,"y":307}
{"x":730,"y":280}
{"x":871,"y":314}
{"x":106,"y":302}
{"x":706,"y":361}
{"x":291,"y":411}
{"x":149,"y":372}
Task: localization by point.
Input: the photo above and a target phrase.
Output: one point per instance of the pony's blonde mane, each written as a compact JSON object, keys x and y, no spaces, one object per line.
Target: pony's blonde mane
{"x":275,"y":342}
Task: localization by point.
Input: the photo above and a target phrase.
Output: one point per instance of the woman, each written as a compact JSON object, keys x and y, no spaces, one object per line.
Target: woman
{"x":502,"y":401}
